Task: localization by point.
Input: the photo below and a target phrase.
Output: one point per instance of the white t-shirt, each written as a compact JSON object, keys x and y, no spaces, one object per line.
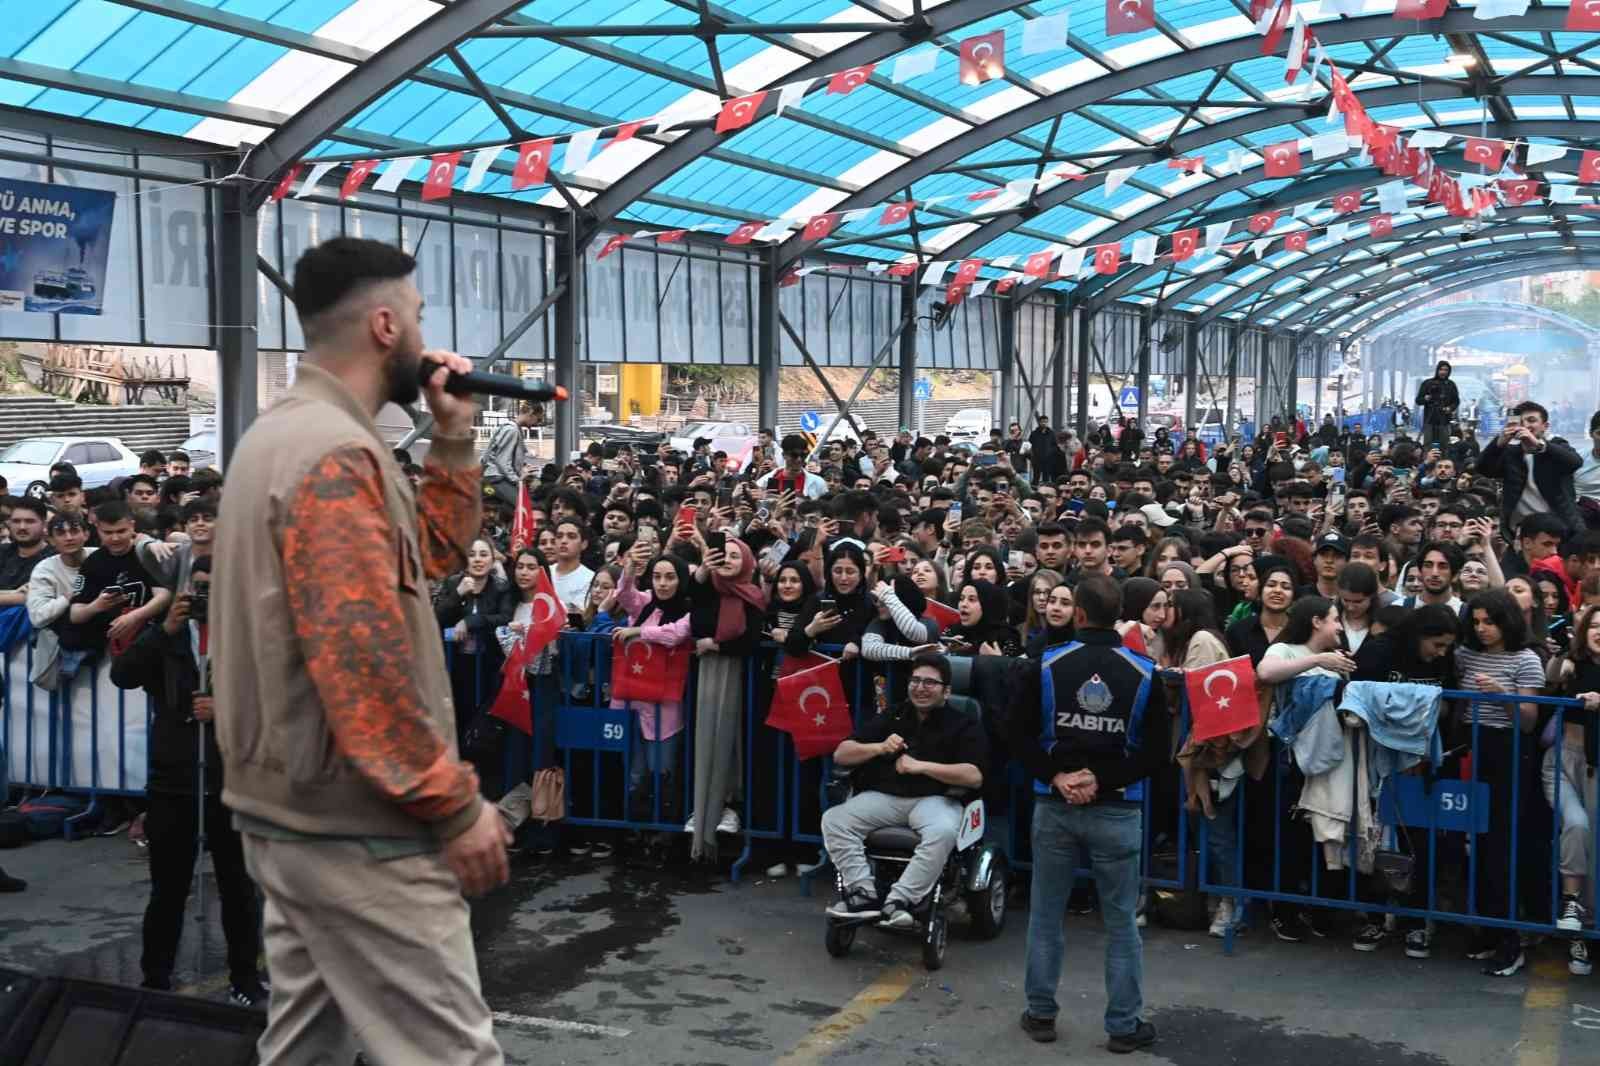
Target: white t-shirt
{"x":572,"y":588}
{"x":1291,"y":652}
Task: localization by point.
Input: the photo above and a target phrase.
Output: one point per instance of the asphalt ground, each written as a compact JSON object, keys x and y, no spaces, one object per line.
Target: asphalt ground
{"x":589,"y":962}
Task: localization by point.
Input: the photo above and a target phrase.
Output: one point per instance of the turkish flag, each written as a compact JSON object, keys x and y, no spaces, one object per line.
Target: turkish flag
{"x":739,"y":112}
{"x":650,"y":673}
{"x":286,"y":183}
{"x":441,"y":176}
{"x":533,"y":163}
{"x":847,"y":81}
{"x":625,"y":132}
{"x":808,"y":703}
{"x":967,"y":272}
{"x":1004,"y":285}
{"x":548,"y":614}
{"x":820,"y":226}
{"x":1258,"y":8}
{"x":983,"y":58}
{"x":1192,"y":165}
{"x":955,"y":293}
{"x":745,"y":233}
{"x":1347,"y":201}
{"x":1282,"y":159}
{"x":1589,"y":168}
{"x":1038,"y":264}
{"x":522,"y":526}
{"x":1485,"y":151}
{"x":1107,"y":258}
{"x":356,"y":177}
{"x":1383,"y":136}
{"x":1262,"y":221}
{"x":671,"y":236}
{"x":1296,"y":241}
{"x":903,"y":270}
{"x":1583,"y":15}
{"x":942,"y":613}
{"x":511,"y":704}
{"x":610,"y":246}
{"x":1222,"y":698}
{"x":1130,"y":16}
{"x":894,"y":214}
{"x":1435,"y":187}
{"x":1184,"y":242}
{"x":1273,"y":34}
{"x":1382,"y":225}
{"x":984,"y":194}
{"x":1519,"y":191}
{"x":1420,"y":9}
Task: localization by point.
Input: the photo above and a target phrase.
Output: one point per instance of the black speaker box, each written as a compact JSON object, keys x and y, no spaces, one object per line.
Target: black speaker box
{"x":49,"y":1021}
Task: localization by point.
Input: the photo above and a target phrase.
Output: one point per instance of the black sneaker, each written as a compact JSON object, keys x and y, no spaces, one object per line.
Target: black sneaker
{"x":856,"y":904}
{"x":1370,"y":938}
{"x":1042,"y":1030}
{"x":600,"y":849}
{"x":1141,"y":1037}
{"x":248,"y":994}
{"x":11,"y":884}
{"x":1505,"y":963}
{"x":1287,"y":930}
{"x":895,"y":916}
{"x":1314,"y":924}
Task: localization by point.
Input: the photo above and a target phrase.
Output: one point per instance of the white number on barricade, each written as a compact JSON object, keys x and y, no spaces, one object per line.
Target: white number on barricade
{"x":612,"y":731}
{"x":972,"y":825}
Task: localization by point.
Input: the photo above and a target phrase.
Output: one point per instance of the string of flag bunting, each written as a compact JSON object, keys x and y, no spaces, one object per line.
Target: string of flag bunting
{"x":982,"y":58}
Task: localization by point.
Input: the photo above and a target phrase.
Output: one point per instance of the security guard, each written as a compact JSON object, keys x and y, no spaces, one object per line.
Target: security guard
{"x":1102,"y":729}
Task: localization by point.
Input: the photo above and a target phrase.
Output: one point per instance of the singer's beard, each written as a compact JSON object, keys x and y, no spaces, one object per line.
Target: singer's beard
{"x":401,"y":375}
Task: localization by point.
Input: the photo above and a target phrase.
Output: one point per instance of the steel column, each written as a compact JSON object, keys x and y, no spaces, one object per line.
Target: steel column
{"x":769,"y":360}
{"x":569,"y":276}
{"x":907,"y":392}
{"x":1008,"y":365}
{"x":1084,"y":339}
{"x":1233,"y":379}
{"x":1141,"y":374}
{"x":1191,"y":369}
{"x":238,"y":359}
{"x":1060,"y":372}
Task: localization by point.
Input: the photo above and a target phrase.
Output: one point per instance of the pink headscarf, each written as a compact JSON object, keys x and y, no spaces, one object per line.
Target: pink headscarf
{"x":735,"y":592}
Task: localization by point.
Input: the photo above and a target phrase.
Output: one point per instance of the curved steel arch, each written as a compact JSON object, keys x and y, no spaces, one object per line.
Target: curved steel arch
{"x":1403,"y":295}
{"x":1506,"y":220}
{"x":1177,"y":65}
{"x":1428,"y":270}
{"x":1543,"y":315}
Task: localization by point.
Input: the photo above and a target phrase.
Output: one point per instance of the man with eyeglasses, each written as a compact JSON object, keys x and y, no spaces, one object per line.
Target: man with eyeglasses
{"x":904,"y":761}
{"x":1258,"y":529}
{"x":794,"y":477}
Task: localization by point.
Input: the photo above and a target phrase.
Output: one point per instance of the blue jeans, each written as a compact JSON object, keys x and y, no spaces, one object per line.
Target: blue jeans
{"x":1112,"y":836}
{"x":1222,"y":840}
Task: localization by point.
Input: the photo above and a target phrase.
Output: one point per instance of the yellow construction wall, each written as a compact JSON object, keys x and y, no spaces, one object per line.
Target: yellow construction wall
{"x":640,"y":383}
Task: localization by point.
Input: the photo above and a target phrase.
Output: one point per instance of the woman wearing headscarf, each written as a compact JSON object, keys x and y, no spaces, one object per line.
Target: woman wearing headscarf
{"x":1058,"y":624}
{"x":728,"y":614}
{"x":985,"y":627}
{"x":1144,"y":616}
{"x":849,"y":609}
{"x":898,"y":634}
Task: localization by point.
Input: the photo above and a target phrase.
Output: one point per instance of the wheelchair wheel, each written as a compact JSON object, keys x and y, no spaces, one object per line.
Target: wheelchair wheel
{"x":839,"y":939}
{"x":933,"y":941}
{"x":988,"y":908}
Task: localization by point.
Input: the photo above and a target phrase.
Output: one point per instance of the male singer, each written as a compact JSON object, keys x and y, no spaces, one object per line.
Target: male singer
{"x":361,"y":823}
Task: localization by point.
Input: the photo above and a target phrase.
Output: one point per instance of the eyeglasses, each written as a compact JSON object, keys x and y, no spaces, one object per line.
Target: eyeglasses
{"x":925,"y":682}
{"x":1254,"y":531}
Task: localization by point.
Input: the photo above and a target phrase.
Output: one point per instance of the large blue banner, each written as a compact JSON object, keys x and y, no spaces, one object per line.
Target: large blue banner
{"x":54,"y":241}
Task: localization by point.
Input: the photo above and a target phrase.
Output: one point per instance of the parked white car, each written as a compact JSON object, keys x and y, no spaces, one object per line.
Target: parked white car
{"x":99,"y":461}
{"x":970,"y":424}
{"x":723,"y":435}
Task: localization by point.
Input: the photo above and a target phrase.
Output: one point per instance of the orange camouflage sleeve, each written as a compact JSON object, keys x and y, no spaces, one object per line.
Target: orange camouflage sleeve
{"x":449,"y":505}
{"x":339,"y":567}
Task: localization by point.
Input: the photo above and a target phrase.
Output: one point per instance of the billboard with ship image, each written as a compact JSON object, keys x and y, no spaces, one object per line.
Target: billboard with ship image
{"x":54,"y":241}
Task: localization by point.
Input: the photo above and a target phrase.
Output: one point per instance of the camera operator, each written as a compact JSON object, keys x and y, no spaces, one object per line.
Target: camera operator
{"x":170,"y":660}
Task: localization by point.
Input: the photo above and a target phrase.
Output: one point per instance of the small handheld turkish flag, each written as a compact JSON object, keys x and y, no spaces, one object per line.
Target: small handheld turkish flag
{"x":1382,"y":225}
{"x":522,"y":531}
{"x":441,"y":176}
{"x":820,"y":226}
{"x":1519,"y":191}
{"x":1262,"y":221}
{"x":1282,"y":159}
{"x":1038,"y":264}
{"x":739,"y":112}
{"x":1129,"y":16}
{"x":1347,"y":201}
{"x":1184,"y":242}
{"x":1296,"y":241}
{"x":356,"y":177}
{"x":745,"y":233}
{"x":1107,"y":258}
{"x":1222,"y":698}
{"x":511,"y":704}
{"x":942,"y":613}
{"x":649,"y":673}
{"x":983,"y":58}
{"x":1583,"y":15}
{"x":808,"y":703}
{"x":894,"y":214}
{"x":967,"y":272}
{"x":847,"y":81}
{"x":1589,"y":169}
{"x":286,"y":183}
{"x":533,"y":163}
{"x":1484,"y":151}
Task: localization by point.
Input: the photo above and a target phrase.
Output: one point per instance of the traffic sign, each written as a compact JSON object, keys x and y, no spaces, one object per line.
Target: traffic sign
{"x":810,"y":421}
{"x":1129,"y":397}
{"x":923,"y":389}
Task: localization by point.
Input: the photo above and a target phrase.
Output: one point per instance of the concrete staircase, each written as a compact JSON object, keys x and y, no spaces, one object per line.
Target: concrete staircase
{"x":137,"y":427}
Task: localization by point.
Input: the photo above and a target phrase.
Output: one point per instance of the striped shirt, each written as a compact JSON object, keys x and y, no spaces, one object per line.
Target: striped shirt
{"x":1511,"y":670}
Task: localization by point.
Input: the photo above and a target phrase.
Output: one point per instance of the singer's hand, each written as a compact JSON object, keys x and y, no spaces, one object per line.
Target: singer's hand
{"x":453,"y":414}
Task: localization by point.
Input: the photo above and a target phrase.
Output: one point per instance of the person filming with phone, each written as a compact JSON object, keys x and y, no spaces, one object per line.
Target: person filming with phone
{"x":1536,"y":470}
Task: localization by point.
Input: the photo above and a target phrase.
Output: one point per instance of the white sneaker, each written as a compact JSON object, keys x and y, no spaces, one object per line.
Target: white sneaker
{"x":1574,"y":916}
{"x":1222,"y":919}
{"x":688,"y":827}
{"x":729,"y":823}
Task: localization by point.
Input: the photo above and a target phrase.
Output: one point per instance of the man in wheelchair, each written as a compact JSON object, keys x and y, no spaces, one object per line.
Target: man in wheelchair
{"x":905,"y":761}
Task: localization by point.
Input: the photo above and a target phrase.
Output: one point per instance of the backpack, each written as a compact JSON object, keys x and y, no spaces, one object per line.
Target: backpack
{"x":45,"y":818}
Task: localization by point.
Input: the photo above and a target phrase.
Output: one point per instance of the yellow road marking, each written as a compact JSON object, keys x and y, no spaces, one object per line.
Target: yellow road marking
{"x":827,"y":1034}
{"x":1544,"y":1013}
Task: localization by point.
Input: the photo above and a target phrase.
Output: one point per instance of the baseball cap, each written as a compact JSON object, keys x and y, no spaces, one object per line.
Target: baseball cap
{"x":1334,"y":542}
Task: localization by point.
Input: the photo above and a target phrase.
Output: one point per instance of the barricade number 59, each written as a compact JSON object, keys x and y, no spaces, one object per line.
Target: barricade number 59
{"x":1453,"y":801}
{"x":611,"y":731}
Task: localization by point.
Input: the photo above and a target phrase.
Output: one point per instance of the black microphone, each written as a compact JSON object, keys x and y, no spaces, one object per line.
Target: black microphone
{"x":483,"y":383}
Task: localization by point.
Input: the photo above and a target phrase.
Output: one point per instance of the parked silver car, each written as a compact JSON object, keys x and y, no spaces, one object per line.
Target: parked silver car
{"x":99,"y":461}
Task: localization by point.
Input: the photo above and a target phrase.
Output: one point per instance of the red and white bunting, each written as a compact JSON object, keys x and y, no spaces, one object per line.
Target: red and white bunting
{"x":982,"y":58}
{"x":739,"y":112}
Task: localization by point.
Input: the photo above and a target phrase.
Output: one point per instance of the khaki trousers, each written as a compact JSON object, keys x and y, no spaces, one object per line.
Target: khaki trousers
{"x":367,"y":955}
